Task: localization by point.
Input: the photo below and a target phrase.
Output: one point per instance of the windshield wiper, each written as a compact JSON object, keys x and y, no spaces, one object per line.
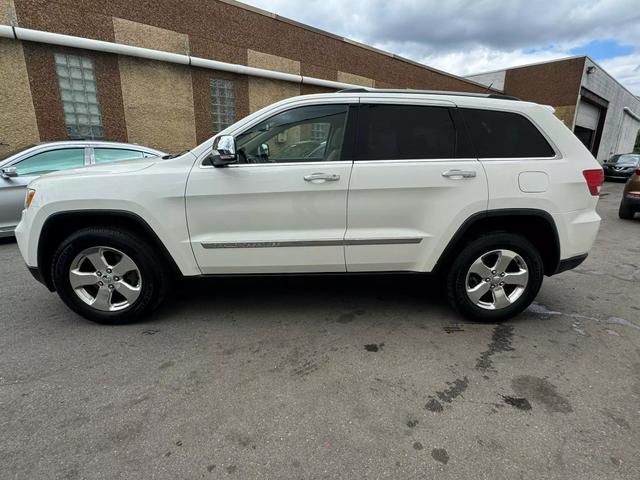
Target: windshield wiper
{"x":174,"y":155}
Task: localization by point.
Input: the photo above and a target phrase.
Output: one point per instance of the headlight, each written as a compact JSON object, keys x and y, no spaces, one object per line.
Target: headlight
{"x":29,"y":198}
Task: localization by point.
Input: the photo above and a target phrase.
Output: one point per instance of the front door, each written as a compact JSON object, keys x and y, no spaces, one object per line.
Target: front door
{"x":415,"y":180}
{"x":282,"y":208}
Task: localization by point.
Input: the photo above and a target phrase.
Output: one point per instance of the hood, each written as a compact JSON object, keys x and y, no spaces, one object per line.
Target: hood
{"x":113,"y":168}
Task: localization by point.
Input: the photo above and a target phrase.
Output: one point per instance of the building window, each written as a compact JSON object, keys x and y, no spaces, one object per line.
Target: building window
{"x":223,"y":104}
{"x":319,"y":131}
{"x":77,"y":82}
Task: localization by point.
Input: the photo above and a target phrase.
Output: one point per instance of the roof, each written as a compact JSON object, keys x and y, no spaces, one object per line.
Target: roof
{"x":428,"y":92}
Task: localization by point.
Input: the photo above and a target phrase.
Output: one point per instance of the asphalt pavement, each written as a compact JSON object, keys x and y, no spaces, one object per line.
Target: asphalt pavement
{"x":313,"y":378}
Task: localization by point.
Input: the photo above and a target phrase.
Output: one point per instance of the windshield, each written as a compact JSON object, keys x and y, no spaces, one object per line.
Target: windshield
{"x":4,"y":156}
{"x":632,"y":160}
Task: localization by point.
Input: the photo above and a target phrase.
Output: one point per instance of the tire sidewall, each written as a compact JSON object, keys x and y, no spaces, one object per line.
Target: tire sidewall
{"x":458,"y":276}
{"x":136,"y":249}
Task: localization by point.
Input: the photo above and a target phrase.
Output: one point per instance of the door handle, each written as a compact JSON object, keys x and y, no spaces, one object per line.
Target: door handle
{"x":459,"y":173}
{"x":322,"y":177}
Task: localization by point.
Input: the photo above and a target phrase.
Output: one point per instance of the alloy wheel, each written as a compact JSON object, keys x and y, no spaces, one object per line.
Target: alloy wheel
{"x":497,"y":279}
{"x":105,"y":279}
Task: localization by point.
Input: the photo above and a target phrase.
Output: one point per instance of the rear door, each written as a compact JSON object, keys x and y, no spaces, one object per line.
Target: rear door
{"x":414,"y":181}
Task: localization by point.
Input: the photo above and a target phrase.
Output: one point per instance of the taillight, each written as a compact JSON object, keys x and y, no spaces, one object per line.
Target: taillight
{"x":595,"y":179}
{"x":638,"y":171}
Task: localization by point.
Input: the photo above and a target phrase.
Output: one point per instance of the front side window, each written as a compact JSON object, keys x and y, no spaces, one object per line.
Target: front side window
{"x":51,"y":161}
{"x":78,"y":92}
{"x":498,"y":134}
{"x":306,"y":134}
{"x":404,"y":132}
{"x":223,"y":104}
{"x":106,"y":155}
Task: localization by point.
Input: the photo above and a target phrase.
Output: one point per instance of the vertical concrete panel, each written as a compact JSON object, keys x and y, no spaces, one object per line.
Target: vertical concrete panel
{"x":272,"y":62}
{"x":148,"y":36}
{"x":263,"y":91}
{"x":7,"y":12}
{"x":158,"y":104}
{"x":355,"y":79}
{"x":566,"y":113}
{"x":18,"y":126}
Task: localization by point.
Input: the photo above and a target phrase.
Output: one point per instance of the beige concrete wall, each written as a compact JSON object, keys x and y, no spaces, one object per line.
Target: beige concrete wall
{"x":7,"y":12}
{"x":355,"y":79}
{"x":566,"y":114}
{"x":262,"y":91}
{"x":148,"y":36}
{"x":18,"y":126}
{"x":158,"y":104}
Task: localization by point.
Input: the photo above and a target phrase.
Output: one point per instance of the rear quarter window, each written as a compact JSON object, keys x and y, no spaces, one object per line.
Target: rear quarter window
{"x":497,"y":134}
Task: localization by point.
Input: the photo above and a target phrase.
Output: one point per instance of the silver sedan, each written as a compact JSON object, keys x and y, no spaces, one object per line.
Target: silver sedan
{"x":20,"y":167}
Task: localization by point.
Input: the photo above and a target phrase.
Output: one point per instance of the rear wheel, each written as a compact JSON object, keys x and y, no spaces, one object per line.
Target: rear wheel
{"x":625,"y":212}
{"x":495,"y":277}
{"x":108,"y":275}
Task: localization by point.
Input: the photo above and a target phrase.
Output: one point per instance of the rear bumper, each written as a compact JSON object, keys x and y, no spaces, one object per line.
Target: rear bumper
{"x":631,"y":202}
{"x":570,"y":263}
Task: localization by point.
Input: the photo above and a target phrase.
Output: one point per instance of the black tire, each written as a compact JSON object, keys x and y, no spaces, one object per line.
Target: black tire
{"x":457,"y":276}
{"x":155,"y":276}
{"x":625,"y":212}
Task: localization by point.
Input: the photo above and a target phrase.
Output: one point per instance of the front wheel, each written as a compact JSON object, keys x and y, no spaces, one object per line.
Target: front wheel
{"x":108,"y":275}
{"x":495,"y":277}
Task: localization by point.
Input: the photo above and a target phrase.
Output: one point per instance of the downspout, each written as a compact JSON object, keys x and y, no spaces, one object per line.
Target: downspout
{"x":26,"y":34}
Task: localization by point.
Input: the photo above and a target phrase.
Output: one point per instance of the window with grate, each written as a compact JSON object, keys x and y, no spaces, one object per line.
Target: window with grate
{"x":77,"y":82}
{"x":320,"y":131}
{"x":223,"y":104}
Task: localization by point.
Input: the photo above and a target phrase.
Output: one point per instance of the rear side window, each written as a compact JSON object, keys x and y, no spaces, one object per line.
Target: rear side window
{"x":107,"y":155}
{"x":505,"y":135}
{"x":404,"y":132}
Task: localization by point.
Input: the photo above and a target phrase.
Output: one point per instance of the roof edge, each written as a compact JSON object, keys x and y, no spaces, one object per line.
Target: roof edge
{"x":325,"y":33}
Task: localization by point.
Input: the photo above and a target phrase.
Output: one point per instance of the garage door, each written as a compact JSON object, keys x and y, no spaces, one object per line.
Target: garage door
{"x":588,"y":115}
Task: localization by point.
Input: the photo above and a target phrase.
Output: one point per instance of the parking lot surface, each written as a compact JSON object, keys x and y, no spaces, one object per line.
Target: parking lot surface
{"x":305,"y":378}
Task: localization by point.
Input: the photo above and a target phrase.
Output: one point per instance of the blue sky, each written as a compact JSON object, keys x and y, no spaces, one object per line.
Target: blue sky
{"x":472,"y":36}
{"x":603,"y":49}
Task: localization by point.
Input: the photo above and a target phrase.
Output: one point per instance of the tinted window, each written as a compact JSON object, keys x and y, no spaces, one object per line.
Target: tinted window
{"x":305,"y":134}
{"x":402,"y":132}
{"x":505,"y":135}
{"x":51,"y":161}
{"x":106,"y":155}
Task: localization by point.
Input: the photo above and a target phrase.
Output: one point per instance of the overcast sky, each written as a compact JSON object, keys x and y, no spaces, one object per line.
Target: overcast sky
{"x":474,"y":36}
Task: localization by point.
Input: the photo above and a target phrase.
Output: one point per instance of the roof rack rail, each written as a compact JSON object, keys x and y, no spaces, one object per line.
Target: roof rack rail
{"x":498,"y":96}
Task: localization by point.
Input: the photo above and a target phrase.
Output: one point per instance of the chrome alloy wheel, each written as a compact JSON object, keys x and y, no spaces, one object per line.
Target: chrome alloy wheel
{"x":497,"y":279}
{"x":105,"y":279}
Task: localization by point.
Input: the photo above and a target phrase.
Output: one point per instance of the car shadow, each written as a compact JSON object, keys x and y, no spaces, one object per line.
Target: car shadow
{"x":266,"y":295}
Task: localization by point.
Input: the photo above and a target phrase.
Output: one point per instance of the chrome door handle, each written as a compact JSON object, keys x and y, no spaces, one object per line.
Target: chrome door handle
{"x":459,"y":173}
{"x":322,"y":177}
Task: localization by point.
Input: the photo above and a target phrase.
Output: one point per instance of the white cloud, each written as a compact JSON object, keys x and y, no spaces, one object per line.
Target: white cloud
{"x":470,"y":36}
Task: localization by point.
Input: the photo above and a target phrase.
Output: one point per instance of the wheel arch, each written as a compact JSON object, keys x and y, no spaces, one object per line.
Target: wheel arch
{"x":536,"y":225}
{"x":60,"y":225}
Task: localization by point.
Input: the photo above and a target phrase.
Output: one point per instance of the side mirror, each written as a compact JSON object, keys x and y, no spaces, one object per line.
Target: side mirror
{"x":9,"y":172}
{"x":224,"y":151}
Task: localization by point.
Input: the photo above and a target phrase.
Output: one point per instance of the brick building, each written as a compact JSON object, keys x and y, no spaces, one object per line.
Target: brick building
{"x":600,"y":111}
{"x":170,"y":74}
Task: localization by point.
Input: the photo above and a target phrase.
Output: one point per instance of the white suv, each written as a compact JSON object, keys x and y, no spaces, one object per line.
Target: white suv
{"x":489,"y":192}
